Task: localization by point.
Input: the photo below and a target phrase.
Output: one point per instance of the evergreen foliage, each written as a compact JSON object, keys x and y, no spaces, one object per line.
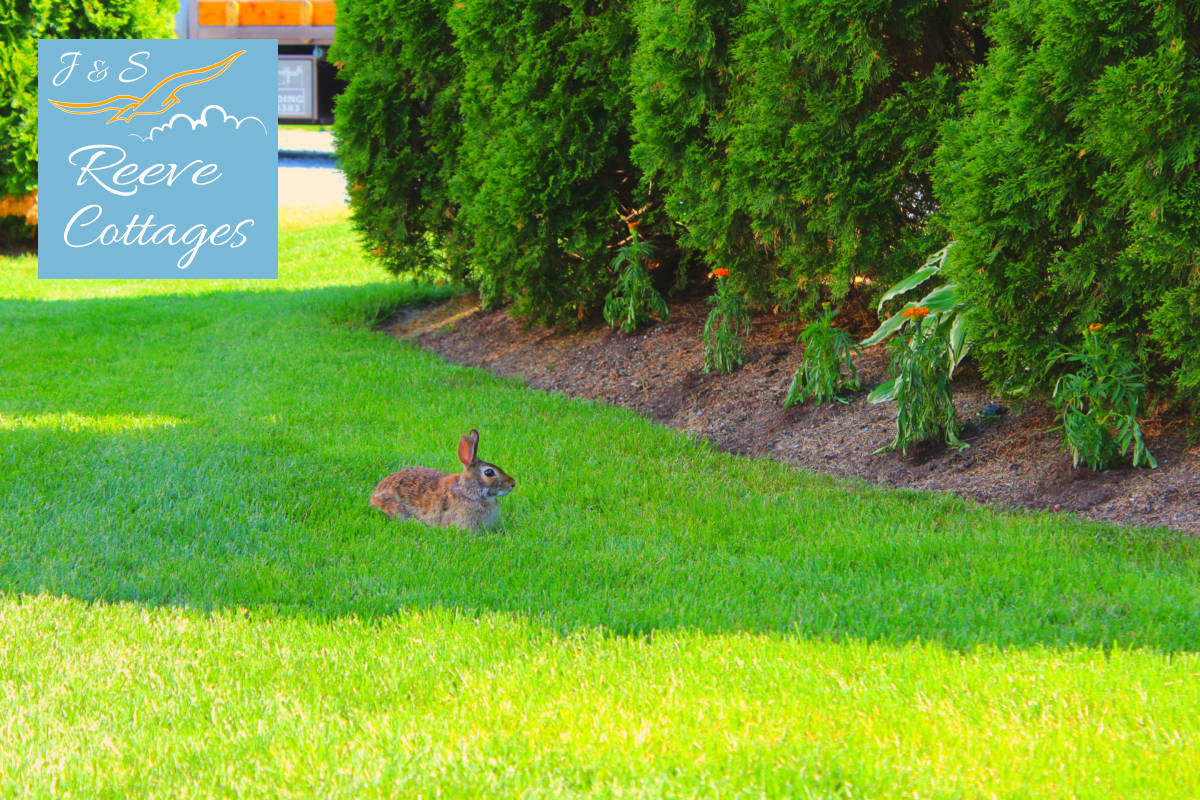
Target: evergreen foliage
{"x":398,"y":128}
{"x":543,"y":177}
{"x":681,"y":80}
{"x":1071,"y":184}
{"x":793,"y":141}
{"x":808,"y":147}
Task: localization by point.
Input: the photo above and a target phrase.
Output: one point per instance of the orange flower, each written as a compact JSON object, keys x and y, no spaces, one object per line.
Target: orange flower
{"x":916,"y":312}
{"x":633,"y":225}
{"x":1095,"y":326}
{"x":721,"y":272}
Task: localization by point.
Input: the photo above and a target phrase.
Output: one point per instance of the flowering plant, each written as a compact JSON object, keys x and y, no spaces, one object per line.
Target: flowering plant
{"x":933,"y":341}
{"x":727,"y":323}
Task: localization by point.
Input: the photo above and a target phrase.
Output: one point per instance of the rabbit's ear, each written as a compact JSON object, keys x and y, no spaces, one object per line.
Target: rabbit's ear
{"x":468,"y":445}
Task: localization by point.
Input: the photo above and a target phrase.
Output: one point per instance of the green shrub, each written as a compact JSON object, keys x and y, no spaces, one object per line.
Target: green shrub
{"x":793,"y":143}
{"x":18,"y":106}
{"x":793,"y":140}
{"x":1098,"y":404}
{"x":491,"y":139}
{"x":681,"y":78}
{"x":790,"y":143}
{"x":633,"y":301}
{"x":1071,"y":184}
{"x":828,"y":367}
{"x":21,"y":25}
{"x":543,"y":177}
{"x":398,"y":129}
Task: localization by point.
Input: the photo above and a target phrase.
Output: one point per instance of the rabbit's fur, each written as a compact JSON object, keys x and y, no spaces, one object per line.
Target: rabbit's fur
{"x":466,"y":500}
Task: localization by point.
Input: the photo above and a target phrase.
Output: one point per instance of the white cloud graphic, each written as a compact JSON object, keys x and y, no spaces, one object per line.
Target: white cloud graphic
{"x":203,"y":122}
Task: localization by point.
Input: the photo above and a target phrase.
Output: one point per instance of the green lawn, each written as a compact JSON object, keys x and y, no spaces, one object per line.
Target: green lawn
{"x":196,"y":599}
{"x":305,"y":127}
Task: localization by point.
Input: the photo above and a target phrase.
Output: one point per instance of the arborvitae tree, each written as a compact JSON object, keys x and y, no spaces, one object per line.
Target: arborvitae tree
{"x":793,"y":141}
{"x":682,"y":76}
{"x":21,"y":25}
{"x":543,"y":176}
{"x":1071,"y":183}
{"x":398,"y":127}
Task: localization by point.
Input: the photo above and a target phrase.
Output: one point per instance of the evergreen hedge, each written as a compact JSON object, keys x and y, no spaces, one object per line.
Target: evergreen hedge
{"x":543,"y":178}
{"x":808,"y":147}
{"x":680,"y":86}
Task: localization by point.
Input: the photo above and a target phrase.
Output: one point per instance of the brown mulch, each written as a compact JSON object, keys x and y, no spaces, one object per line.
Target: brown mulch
{"x":1014,"y":461}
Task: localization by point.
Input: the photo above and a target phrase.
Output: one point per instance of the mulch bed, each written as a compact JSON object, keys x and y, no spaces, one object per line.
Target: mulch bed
{"x":1014,"y":461}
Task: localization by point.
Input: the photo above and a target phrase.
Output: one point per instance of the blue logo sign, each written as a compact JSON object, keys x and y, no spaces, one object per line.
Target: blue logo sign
{"x":157,"y":159}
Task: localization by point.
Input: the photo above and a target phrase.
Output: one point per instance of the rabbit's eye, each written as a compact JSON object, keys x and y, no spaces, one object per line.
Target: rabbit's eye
{"x":491,"y":473}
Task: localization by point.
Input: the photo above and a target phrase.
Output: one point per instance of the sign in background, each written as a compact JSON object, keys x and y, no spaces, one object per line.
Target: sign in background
{"x":157,"y":159}
{"x":297,"y":88}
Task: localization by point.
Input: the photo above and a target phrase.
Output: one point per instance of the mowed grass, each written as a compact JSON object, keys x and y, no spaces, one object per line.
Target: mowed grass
{"x":196,"y":600}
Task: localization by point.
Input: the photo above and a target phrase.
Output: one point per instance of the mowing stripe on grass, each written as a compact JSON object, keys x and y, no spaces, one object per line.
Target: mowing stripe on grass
{"x":197,"y":600}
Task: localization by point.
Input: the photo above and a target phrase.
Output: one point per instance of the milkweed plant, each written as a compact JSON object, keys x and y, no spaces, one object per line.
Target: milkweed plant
{"x":727,"y":324}
{"x":931,"y":338}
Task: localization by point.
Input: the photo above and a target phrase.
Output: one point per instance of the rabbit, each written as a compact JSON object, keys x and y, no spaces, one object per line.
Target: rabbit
{"x":466,"y":500}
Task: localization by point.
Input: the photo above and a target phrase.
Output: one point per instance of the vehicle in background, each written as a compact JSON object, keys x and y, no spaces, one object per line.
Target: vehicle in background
{"x":304,"y":28}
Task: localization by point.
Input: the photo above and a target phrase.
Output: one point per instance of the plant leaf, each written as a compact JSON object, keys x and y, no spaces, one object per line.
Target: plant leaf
{"x":914,"y":280}
{"x":942,"y":298}
{"x":883,"y":392}
{"x":889,"y":326}
{"x":959,"y":343}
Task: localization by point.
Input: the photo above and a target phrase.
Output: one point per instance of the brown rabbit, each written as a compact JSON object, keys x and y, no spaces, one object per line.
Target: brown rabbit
{"x":466,"y":500}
